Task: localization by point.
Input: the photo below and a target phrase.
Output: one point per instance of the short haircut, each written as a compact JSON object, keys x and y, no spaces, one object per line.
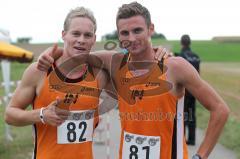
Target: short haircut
{"x":133,"y":9}
{"x":185,"y":40}
{"x":79,"y":12}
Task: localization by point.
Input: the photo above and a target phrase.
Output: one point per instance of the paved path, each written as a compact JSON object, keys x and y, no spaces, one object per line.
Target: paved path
{"x":100,"y":150}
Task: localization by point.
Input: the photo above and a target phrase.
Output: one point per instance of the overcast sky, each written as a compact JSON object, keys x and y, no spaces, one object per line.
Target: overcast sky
{"x":43,"y":19}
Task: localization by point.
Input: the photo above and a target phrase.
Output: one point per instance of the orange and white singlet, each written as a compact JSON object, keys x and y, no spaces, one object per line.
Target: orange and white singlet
{"x":73,"y":138}
{"x":151,"y":117}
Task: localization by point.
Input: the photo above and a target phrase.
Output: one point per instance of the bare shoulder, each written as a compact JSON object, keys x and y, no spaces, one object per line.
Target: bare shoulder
{"x":179,"y":69}
{"x":33,"y":70}
{"x":32,"y":75}
{"x":175,"y":64}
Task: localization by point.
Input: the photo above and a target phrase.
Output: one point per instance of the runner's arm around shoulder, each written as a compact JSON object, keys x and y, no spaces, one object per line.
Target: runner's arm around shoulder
{"x":108,"y":95}
{"x":106,"y":84}
{"x":106,"y":58}
{"x":187,"y":76}
{"x":16,"y":113}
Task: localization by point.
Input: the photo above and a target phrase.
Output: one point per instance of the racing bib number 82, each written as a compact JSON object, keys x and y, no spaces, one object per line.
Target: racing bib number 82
{"x":75,"y":131}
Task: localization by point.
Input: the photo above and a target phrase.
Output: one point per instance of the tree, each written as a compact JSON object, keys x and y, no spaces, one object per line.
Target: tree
{"x":114,"y":36}
{"x":24,"y":40}
{"x":111,"y":36}
{"x":158,"y":36}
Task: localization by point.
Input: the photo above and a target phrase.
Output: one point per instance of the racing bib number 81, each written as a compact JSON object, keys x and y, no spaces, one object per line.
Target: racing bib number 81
{"x":141,"y":146}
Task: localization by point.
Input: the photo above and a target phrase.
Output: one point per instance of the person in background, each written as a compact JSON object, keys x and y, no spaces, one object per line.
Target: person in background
{"x":189,"y":99}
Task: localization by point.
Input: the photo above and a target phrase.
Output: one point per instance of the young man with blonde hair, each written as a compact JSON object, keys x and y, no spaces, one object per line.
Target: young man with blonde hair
{"x":64,"y":133}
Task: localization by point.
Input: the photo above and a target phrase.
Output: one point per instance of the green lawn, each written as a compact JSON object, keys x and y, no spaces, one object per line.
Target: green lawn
{"x":21,"y":147}
{"x":220,"y":68}
{"x":208,"y":50}
{"x":224,"y":77}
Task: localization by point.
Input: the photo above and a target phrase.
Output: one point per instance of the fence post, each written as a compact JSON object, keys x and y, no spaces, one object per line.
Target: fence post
{"x":6,"y":78}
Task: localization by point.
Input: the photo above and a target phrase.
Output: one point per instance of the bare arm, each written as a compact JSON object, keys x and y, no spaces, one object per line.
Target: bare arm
{"x":98,"y":59}
{"x":108,"y":95}
{"x":105,"y":83}
{"x":23,"y":96}
{"x":188,"y":77}
{"x":16,"y":113}
{"x":104,"y":59}
{"x":104,"y":56}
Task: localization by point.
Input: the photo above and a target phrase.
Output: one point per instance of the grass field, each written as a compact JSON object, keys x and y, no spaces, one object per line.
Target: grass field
{"x":225,"y":78}
{"x":209,"y":51}
{"x":220,"y":67}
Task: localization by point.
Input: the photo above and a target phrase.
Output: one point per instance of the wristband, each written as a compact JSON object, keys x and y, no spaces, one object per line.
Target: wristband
{"x":41,"y":115}
{"x":196,"y":156}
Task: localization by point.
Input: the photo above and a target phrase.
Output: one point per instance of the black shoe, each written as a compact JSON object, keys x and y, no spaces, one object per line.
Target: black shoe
{"x":191,"y":142}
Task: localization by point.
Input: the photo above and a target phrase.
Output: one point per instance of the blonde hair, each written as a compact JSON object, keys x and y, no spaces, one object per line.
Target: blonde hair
{"x":79,"y":12}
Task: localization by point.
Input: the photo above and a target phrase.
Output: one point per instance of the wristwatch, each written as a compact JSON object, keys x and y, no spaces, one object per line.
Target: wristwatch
{"x":196,"y":156}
